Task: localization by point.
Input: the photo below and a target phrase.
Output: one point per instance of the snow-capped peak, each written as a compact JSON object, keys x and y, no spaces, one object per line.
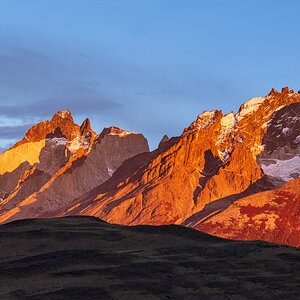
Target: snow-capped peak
{"x":249,"y":107}
{"x":123,"y":133}
{"x":204,"y":120}
{"x":113,"y":130}
{"x":63,"y":113}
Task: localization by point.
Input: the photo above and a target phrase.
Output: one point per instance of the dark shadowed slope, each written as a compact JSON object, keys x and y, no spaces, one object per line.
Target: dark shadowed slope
{"x":85,"y":258}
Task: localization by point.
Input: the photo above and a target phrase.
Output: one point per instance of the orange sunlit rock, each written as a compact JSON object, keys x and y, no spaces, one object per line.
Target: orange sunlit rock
{"x":271,"y":216}
{"x":69,"y":161}
{"x":215,"y":160}
{"x":198,"y":179}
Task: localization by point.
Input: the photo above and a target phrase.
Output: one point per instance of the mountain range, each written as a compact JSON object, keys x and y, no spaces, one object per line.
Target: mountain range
{"x":232,"y":175}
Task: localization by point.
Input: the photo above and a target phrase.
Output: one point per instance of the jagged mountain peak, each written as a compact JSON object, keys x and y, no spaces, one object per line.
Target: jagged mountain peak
{"x":57,"y":161}
{"x":64,"y":114}
{"x":114,"y":130}
{"x":203,"y":121}
{"x":272,"y":92}
{"x":249,"y":107}
{"x":285,"y":90}
{"x":219,"y":159}
{"x":61,"y":124}
{"x":85,"y":127}
{"x":163,"y":141}
{"x":63,"y":118}
{"x":214,"y":159}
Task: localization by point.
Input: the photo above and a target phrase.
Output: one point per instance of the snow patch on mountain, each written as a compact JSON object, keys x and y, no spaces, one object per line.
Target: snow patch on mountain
{"x":224,"y":155}
{"x":58,"y":141}
{"x":123,"y":133}
{"x":74,"y":145}
{"x":110,"y":171}
{"x":204,"y":120}
{"x":285,"y":130}
{"x":249,"y":107}
{"x":282,"y":169}
{"x":63,"y":113}
{"x":228,"y":123}
{"x":78,"y":143}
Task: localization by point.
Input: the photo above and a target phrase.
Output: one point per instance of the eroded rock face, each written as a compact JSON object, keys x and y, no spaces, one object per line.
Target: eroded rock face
{"x":281,"y":156}
{"x":58,"y":161}
{"x":192,"y":179}
{"x":43,"y":146}
{"x":216,"y":159}
{"x":9,"y":180}
{"x":61,"y":124}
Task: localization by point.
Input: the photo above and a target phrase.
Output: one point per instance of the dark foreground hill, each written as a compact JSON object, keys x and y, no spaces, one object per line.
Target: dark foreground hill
{"x":85,"y":258}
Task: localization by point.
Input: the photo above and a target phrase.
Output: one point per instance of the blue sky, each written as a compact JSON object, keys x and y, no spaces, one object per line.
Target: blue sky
{"x":143,"y":65}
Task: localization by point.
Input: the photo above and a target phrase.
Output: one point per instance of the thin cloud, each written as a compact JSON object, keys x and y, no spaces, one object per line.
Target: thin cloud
{"x":48,"y":106}
{"x":12,"y":132}
{"x":6,"y":144}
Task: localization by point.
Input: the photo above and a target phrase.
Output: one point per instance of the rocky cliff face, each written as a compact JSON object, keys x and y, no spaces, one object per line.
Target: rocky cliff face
{"x":58,"y":161}
{"x":202,"y":179}
{"x":217,"y":158}
{"x":43,"y":147}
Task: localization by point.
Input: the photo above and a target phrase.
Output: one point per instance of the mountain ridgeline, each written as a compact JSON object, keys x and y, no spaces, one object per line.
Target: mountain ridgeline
{"x":234,"y":175}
